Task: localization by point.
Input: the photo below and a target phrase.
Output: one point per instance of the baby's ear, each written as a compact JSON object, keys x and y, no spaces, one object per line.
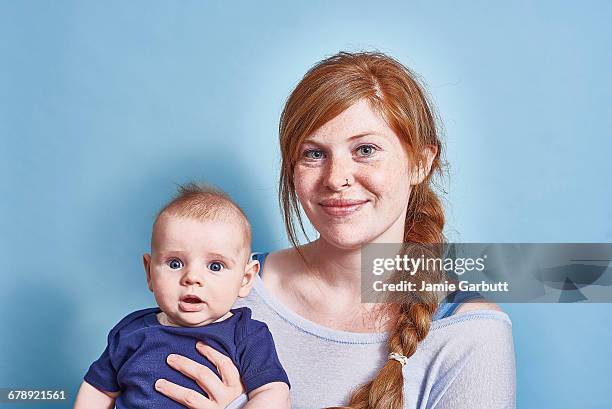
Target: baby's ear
{"x":146,"y":260}
{"x":250,"y":272}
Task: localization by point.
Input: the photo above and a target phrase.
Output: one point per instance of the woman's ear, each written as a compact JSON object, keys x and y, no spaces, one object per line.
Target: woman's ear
{"x":146,"y":260}
{"x":250,"y":272}
{"x":421,"y":171}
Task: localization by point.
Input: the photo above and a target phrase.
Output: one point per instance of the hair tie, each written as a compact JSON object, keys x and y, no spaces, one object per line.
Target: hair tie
{"x":399,"y":358}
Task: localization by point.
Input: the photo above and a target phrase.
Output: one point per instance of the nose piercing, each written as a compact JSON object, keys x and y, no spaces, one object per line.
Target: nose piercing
{"x":347,"y":183}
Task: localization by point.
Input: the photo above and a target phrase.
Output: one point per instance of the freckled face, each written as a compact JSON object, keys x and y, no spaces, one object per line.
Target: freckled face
{"x":196,"y":268}
{"x":353,"y":179}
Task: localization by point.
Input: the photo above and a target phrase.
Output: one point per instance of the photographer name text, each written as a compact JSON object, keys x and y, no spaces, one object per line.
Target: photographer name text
{"x":483,"y":286}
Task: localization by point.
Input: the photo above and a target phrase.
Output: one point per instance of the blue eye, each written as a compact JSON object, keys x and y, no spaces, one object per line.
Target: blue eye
{"x":366,"y":150}
{"x":314,"y":154}
{"x":175,"y":264}
{"x":216,"y":266}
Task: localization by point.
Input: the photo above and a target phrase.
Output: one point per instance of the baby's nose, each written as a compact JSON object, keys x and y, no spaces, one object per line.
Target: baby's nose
{"x":192,"y":278}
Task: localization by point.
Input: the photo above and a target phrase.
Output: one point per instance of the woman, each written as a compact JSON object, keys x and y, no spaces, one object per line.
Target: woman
{"x":359,"y":149}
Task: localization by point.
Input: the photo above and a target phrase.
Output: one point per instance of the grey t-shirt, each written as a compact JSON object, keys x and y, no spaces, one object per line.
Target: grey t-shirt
{"x":466,"y":361}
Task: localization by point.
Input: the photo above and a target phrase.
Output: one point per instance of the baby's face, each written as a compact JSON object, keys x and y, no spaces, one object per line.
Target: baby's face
{"x":197,"y":269}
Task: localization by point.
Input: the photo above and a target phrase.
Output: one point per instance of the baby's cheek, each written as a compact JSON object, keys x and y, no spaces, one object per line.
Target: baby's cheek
{"x":219,"y":301}
{"x":163,"y":292}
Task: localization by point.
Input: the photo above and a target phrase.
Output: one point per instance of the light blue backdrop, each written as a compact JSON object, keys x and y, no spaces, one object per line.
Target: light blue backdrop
{"x":105,"y":106}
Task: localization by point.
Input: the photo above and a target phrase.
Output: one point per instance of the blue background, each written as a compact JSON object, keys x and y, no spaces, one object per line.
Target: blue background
{"x":105,"y":106}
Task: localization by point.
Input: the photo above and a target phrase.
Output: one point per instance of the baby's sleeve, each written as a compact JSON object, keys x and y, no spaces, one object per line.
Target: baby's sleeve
{"x":102,"y":374}
{"x":259,"y":363}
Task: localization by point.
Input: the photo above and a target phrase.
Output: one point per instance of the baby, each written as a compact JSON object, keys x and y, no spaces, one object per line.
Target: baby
{"x":199,"y":264}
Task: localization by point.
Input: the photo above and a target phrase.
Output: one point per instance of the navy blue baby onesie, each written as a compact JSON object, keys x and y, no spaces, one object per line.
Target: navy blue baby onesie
{"x":135,"y":356}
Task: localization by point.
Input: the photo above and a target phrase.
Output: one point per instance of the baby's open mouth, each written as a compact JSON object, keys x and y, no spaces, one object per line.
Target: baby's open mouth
{"x":191,"y":299}
{"x":191,"y":303}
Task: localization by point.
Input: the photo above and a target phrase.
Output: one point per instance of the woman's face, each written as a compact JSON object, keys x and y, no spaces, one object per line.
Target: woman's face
{"x":354,"y":179}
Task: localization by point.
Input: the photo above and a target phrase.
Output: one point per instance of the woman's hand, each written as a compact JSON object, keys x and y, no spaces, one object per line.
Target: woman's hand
{"x":221,"y":392}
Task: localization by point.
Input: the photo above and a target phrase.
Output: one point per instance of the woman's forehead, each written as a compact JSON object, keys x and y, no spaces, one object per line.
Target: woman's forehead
{"x":357,"y":121}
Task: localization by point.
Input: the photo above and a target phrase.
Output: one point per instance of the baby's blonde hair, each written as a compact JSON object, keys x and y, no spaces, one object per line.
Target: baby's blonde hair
{"x":206,"y":203}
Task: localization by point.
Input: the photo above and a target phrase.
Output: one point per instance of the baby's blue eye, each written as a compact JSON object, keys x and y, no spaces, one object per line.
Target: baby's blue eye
{"x":175,"y":264}
{"x":216,"y":266}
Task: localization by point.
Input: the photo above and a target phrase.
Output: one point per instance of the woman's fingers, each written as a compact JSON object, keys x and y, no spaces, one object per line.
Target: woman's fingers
{"x":220,"y":391}
{"x":204,"y":376}
{"x":184,"y":396}
{"x":228,"y":371}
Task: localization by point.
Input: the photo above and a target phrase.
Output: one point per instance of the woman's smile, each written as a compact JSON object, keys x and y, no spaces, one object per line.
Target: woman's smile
{"x":342,"y":207}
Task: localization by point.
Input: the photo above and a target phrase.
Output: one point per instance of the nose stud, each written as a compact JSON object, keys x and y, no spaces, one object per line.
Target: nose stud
{"x":347,"y":183}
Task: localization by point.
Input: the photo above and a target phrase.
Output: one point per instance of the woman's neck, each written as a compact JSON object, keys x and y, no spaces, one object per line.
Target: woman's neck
{"x":326,"y":289}
{"x":329,"y":291}
{"x":335,"y":267}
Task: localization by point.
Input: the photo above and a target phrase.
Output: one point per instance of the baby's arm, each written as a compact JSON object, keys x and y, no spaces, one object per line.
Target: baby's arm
{"x":271,"y":395}
{"x":90,"y":397}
